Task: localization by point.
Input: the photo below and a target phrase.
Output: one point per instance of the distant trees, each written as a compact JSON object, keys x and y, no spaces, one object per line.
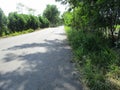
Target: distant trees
{"x":17,"y":21}
{"x":20,"y":22}
{"x":52,"y":14}
{"x":34,"y":22}
{"x":44,"y":22}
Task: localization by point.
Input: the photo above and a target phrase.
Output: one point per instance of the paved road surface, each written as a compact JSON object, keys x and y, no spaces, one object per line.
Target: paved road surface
{"x":37,"y":61}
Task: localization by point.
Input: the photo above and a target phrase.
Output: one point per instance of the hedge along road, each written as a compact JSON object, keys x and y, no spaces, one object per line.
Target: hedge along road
{"x":37,"y":61}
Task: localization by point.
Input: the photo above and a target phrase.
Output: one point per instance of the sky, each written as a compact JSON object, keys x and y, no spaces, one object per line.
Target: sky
{"x":39,"y":5}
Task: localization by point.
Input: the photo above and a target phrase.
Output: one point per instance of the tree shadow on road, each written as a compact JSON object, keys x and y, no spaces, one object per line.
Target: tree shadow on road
{"x":49,"y":70}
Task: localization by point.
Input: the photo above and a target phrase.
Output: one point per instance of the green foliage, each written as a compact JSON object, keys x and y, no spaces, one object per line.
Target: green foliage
{"x":52,"y":14}
{"x":19,"y":33}
{"x":92,"y":39}
{"x":19,"y":22}
{"x":67,"y":16}
{"x":43,"y":22}
{"x":3,"y":22}
{"x":16,"y":22}
{"x":102,"y":15}
{"x":95,"y":58}
{"x":33,"y":22}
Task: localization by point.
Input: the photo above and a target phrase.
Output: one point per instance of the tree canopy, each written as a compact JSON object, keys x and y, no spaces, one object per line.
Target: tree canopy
{"x":52,"y":14}
{"x":18,"y":22}
{"x":3,"y":21}
{"x":94,"y":15}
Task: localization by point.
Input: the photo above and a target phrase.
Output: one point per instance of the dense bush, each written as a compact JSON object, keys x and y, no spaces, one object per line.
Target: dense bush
{"x":21,"y":32}
{"x":94,"y":15}
{"x":20,"y":22}
{"x":67,"y":17}
{"x":33,"y":22}
{"x":94,"y":57}
{"x":44,"y":22}
{"x":16,"y":22}
{"x":94,"y":42}
{"x":52,"y":14}
{"x":3,"y":23}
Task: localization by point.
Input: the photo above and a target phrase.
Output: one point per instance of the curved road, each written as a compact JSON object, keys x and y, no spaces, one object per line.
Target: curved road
{"x":37,"y":61}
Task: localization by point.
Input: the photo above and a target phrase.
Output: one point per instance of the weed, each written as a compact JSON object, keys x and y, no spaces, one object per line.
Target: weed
{"x":95,"y":59}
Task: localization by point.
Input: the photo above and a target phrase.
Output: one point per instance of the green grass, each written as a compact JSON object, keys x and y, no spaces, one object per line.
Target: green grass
{"x":18,"y":33}
{"x":97,"y":62}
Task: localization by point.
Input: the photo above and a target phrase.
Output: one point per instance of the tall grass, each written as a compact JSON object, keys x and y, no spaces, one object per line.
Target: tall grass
{"x":95,"y":59}
{"x":18,"y":33}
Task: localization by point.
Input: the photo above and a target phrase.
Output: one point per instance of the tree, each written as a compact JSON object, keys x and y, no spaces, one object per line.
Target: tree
{"x":52,"y":14}
{"x":3,"y":22}
{"x":44,"y":22}
{"x":33,"y":22}
{"x":20,"y":22}
{"x":68,"y":17}
{"x":16,"y":22}
{"x":96,"y":15}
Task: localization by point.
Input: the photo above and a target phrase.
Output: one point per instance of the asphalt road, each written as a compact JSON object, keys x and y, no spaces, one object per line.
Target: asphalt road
{"x":37,"y":61}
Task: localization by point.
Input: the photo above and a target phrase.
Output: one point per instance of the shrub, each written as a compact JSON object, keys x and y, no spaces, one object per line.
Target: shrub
{"x":33,"y":22}
{"x":20,"y":22}
{"x":94,"y":58}
{"x":44,"y":22}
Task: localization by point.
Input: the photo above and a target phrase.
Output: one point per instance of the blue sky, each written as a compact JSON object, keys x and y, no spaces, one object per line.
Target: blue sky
{"x":39,"y":5}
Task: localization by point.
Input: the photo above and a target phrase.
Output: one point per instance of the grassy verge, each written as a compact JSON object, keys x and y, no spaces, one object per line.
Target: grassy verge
{"x":97,"y":62}
{"x":18,"y":33}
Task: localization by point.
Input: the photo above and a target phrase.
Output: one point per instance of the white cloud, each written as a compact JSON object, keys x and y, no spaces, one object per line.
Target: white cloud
{"x":39,"y":5}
